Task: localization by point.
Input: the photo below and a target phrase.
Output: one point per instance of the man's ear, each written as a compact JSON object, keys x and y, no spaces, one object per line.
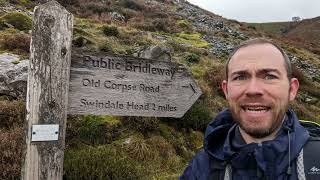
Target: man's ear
{"x":294,"y":86}
{"x":224,"y":87}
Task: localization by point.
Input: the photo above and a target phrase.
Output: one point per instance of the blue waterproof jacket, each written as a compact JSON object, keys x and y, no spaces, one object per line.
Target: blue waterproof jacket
{"x":269,"y":160}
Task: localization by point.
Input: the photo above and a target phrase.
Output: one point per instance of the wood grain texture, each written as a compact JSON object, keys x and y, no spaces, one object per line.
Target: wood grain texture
{"x":128,"y":86}
{"x":48,"y":87}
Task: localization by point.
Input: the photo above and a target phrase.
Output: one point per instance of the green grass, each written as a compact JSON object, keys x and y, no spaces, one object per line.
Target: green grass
{"x":193,"y":39}
{"x":272,"y":27}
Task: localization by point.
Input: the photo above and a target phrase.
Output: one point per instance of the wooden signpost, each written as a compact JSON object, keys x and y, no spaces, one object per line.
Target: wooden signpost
{"x":99,"y":84}
{"x":47,"y":93}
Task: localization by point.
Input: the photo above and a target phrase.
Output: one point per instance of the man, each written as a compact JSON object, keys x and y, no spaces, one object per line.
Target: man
{"x":259,"y":136}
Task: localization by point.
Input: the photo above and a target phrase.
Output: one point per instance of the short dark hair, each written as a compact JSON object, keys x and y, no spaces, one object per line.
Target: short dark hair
{"x":261,"y":41}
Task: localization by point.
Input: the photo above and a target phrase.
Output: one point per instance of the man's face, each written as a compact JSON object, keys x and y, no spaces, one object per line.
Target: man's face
{"x":258,"y":90}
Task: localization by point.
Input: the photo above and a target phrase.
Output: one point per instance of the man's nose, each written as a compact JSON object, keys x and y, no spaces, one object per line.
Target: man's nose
{"x":254,"y":88}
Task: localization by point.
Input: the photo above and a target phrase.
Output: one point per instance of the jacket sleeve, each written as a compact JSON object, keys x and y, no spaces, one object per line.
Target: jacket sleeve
{"x":188,"y":173}
{"x":198,"y":167}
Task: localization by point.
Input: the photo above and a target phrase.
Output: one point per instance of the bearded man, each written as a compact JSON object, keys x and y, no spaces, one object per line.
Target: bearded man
{"x":258,"y":136}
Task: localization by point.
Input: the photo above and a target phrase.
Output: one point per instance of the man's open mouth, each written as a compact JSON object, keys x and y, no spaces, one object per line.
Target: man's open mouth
{"x":256,"y":108}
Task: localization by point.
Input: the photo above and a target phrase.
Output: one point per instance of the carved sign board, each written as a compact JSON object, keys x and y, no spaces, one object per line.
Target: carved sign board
{"x":129,"y":86}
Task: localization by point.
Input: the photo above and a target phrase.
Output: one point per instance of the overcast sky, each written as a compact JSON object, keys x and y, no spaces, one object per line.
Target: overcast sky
{"x":261,"y":10}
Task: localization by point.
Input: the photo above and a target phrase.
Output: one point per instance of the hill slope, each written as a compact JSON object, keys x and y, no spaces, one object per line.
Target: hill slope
{"x":307,"y":30}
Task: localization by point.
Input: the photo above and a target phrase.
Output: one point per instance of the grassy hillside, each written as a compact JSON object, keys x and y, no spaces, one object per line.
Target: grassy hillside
{"x":306,"y":34}
{"x":303,"y":34}
{"x":108,"y":147}
{"x":271,"y":27}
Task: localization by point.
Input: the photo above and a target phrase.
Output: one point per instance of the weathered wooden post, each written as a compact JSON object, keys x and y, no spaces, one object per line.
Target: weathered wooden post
{"x":47,"y":95}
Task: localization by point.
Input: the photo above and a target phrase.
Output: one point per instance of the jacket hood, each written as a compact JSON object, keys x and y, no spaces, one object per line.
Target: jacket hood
{"x":224,"y":142}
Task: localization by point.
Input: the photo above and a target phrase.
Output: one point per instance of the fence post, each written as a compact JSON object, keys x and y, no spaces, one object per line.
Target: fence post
{"x":47,"y":94}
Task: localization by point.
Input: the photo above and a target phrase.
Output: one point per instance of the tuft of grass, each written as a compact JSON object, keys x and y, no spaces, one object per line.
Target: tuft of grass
{"x":110,"y":30}
{"x":100,"y":163}
{"x":214,"y":76}
{"x":12,"y":113}
{"x":192,"y":58}
{"x":11,"y":141}
{"x":196,"y":140}
{"x":81,"y":41}
{"x":271,"y":27}
{"x":17,"y":20}
{"x":139,"y":149}
{"x":184,"y":24}
{"x":162,"y":146}
{"x":141,"y":124}
{"x":131,"y":4}
{"x":106,"y":47}
{"x":16,"y":42}
{"x":154,"y":25}
{"x":191,"y":39}
{"x":197,"y":117}
{"x":15,"y":62}
{"x":93,"y":130}
{"x":305,"y":111}
{"x":177,"y":138}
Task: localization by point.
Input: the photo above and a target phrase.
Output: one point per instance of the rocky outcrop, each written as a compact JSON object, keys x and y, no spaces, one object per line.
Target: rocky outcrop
{"x":117,"y":16}
{"x":220,"y":47}
{"x":7,"y":7}
{"x":204,"y":20}
{"x":310,"y":70}
{"x":13,"y":76}
{"x":156,"y":52}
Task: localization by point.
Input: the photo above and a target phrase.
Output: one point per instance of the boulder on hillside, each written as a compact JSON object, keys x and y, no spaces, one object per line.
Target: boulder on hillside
{"x":117,"y":16}
{"x":13,"y":76}
{"x":156,"y":52}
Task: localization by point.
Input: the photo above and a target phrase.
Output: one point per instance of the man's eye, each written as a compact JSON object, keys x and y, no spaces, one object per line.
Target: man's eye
{"x":240,"y":78}
{"x":270,"y":76}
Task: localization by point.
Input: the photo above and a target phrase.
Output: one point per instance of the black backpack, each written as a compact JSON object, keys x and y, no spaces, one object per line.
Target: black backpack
{"x":311,"y":163}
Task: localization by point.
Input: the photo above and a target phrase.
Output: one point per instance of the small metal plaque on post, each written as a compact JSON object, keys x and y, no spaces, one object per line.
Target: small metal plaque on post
{"x":48,"y":132}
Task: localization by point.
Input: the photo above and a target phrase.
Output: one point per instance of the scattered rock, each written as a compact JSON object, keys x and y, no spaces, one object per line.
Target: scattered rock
{"x":128,"y":141}
{"x":160,"y":38}
{"x":7,"y":8}
{"x":13,"y":76}
{"x":208,"y":21}
{"x":117,"y":16}
{"x":310,"y":70}
{"x":220,"y":47}
{"x":306,"y":98}
{"x":156,"y":52}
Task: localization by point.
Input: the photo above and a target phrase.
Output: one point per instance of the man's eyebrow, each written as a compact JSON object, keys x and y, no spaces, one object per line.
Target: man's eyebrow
{"x":239,"y":72}
{"x":264,"y":70}
{"x":267,"y":70}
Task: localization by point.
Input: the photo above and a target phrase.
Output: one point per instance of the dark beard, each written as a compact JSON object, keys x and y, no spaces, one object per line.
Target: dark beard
{"x":261,"y":133}
{"x":265,"y":132}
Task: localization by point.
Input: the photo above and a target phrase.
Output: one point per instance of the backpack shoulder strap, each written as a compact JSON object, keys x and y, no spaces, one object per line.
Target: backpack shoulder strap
{"x":311,"y":159}
{"x":217,"y":169}
{"x":203,"y":166}
{"x":312,"y":127}
{"x":220,"y":170}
